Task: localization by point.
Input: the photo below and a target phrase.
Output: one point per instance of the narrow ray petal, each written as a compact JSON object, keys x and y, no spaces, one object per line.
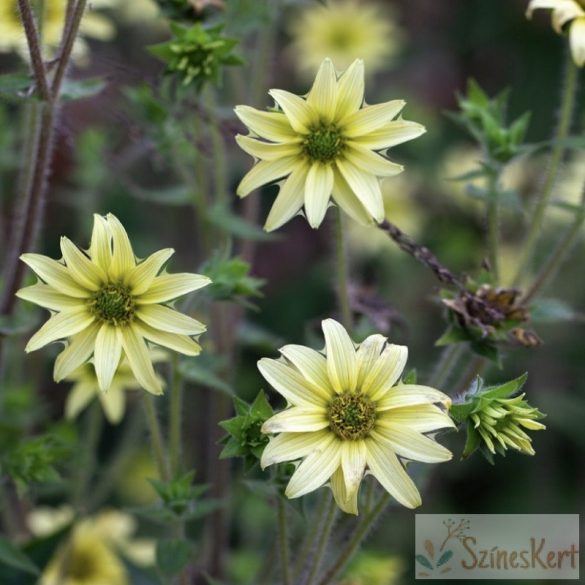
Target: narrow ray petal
{"x":181,"y":343}
{"x":269,"y":125}
{"x":412,"y":445}
{"x":113,"y":402}
{"x":123,"y":259}
{"x":341,"y":358}
{"x":318,"y":187}
{"x":78,"y":398}
{"x":366,"y":188}
{"x":371,"y":118}
{"x":142,"y":276}
{"x":268,"y":150}
{"x":266,"y":172}
{"x":167,"y":319}
{"x":139,"y":359}
{"x":46,"y":296}
{"x":108,"y":350}
{"x":293,"y":446}
{"x":350,"y":90}
{"x":391,"y":134}
{"x":100,"y":249}
{"x":385,"y":371}
{"x":344,"y":196}
{"x":353,"y":463}
{"x":60,"y":326}
{"x":290,"y":199}
{"x":322,"y":97}
{"x":79,"y":349}
{"x":370,"y":162}
{"x":81,"y":268}
{"x":411,"y":395}
{"x":367,"y":354}
{"x":168,"y":287}
{"x":423,"y":418}
{"x":348,"y":502}
{"x":296,"y":109}
{"x":311,"y":364}
{"x":55,"y":274}
{"x":296,"y":419}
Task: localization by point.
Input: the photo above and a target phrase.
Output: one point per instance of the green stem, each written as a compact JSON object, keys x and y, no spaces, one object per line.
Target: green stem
{"x":342,"y":271}
{"x":283,"y":541}
{"x":360,"y":533}
{"x":560,"y":253}
{"x":493,"y":223}
{"x":156,"y":437}
{"x":567,"y":107}
{"x":175,"y":416}
{"x":328,"y":523}
{"x":446,"y":364}
{"x":200,"y":192}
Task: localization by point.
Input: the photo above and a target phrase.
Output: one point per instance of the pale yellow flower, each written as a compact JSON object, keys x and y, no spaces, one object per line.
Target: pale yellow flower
{"x":349,"y":414}
{"x":327,"y":144}
{"x":345,"y":30}
{"x":107,"y":303}
{"x":113,"y":400}
{"x":93,"y":25}
{"x":566,"y":12}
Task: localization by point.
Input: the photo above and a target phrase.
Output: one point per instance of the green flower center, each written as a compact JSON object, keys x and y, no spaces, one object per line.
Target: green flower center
{"x":323,"y":144}
{"x":351,"y":416}
{"x":113,"y":304}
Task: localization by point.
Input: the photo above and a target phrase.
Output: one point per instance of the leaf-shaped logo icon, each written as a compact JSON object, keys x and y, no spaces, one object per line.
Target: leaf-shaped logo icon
{"x":444,"y":557}
{"x":430,"y":548}
{"x":424,"y":562}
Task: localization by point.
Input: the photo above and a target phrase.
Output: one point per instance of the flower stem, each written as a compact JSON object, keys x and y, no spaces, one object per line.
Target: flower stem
{"x":493,"y":221}
{"x":329,"y":521}
{"x":156,"y":437}
{"x":567,"y":107}
{"x":283,"y":541}
{"x":175,"y":415}
{"x":446,"y":364}
{"x":360,"y":533}
{"x":342,"y":276}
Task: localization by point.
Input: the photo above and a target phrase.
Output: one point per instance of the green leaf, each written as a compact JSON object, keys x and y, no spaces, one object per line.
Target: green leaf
{"x":410,"y":377}
{"x":507,"y":389}
{"x":452,"y":335}
{"x":16,"y":86}
{"x":173,"y":555}
{"x":173,"y":196}
{"x":473,"y":440}
{"x":261,"y":407}
{"x":13,"y":557}
{"x":488,"y":351}
{"x":78,"y":89}
{"x":460,"y":412}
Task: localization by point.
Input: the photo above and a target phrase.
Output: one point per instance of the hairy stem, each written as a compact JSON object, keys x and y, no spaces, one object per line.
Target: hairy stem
{"x":156,"y":437}
{"x":447,"y":362}
{"x":493,"y":225}
{"x":283,"y":541}
{"x":327,"y":526}
{"x":342,"y":271}
{"x":175,"y":416}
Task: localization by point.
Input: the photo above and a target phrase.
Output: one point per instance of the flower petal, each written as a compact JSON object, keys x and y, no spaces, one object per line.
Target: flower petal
{"x":107,"y":353}
{"x":385,"y":371}
{"x":296,"y":109}
{"x":371,"y":118}
{"x":78,"y":398}
{"x":577,"y":40}
{"x":139,"y":359}
{"x":348,"y":502}
{"x":168,"y":287}
{"x":367,"y":355}
{"x":100,"y":249}
{"x":60,"y":326}
{"x":289,"y":200}
{"x":142,"y":276}
{"x":268,"y":150}
{"x":411,"y":395}
{"x":341,"y":358}
{"x":322,"y":97}
{"x":391,"y":134}
{"x":412,"y":445}
{"x":388,"y":470}
{"x":81,"y":268}
{"x":47,"y":297}
{"x":311,"y":364}
{"x":181,"y":343}
{"x":296,"y":390}
{"x":315,"y":470}
{"x":344,"y":196}
{"x":270,"y":125}
{"x":353,"y":463}
{"x":350,"y":90}
{"x":113,"y":402}
{"x":55,"y":275}
{"x":371,"y":162}
{"x":293,"y":446}
{"x":423,"y":418}
{"x":265,"y":172}
{"x":123,"y":259}
{"x":318,"y":187}
{"x":167,"y":319}
{"x":365,"y":186}
{"x":297,"y":419}
{"x":79,"y":349}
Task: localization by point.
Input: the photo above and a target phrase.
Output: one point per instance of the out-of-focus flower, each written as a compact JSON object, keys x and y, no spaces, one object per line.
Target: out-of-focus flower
{"x":131,"y":487}
{"x":345,"y":30}
{"x":326,"y":145}
{"x":93,"y":25}
{"x":348,"y":413}
{"x":113,"y":400}
{"x":374,"y":569}
{"x":570,"y":13}
{"x":44,"y":521}
{"x":107,"y":303}
{"x":91,"y":554}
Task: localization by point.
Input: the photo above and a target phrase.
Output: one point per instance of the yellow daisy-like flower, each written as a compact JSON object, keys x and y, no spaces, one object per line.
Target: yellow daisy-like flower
{"x":571,"y":12}
{"x":93,"y":25}
{"x":345,"y":30}
{"x":349,"y":414}
{"x":113,"y":401}
{"x":327,"y":144}
{"x":107,"y":303}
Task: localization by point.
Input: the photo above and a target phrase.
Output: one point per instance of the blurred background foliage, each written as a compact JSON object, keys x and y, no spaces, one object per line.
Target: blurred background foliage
{"x":133,"y":149}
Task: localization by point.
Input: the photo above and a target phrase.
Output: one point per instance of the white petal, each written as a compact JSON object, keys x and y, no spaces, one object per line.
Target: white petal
{"x":348,"y":502}
{"x":391,"y":134}
{"x":181,"y":343}
{"x":311,"y":364}
{"x":108,"y":350}
{"x":47,"y":297}
{"x":290,"y":199}
{"x":353,"y":463}
{"x":290,"y":384}
{"x":142,"y":276}
{"x":270,"y":125}
{"x":344,"y":196}
{"x":350,"y":90}
{"x":577,"y":40}
{"x":411,"y":395}
{"x":318,"y":187}
{"x":268,"y":150}
{"x":423,"y":418}
{"x":297,"y":419}
{"x":123,"y":259}
{"x":266,"y":172}
{"x":139,"y":359}
{"x":412,"y":445}
{"x":371,"y":162}
{"x":82,"y":269}
{"x":296,"y":109}
{"x":367,"y":354}
{"x":168,"y":287}
{"x":113,"y":402}
{"x":100,"y":249}
{"x":79,"y":349}
{"x":315,"y":470}
{"x":371,"y":118}
{"x":55,"y":275}
{"x":386,"y":468}
{"x":60,"y":326}
{"x":167,"y":319}
{"x":322,"y":97}
{"x":365,"y":186}
{"x":385,"y":371}
{"x":341,"y":358}
{"x":293,"y":446}
{"x":78,"y":398}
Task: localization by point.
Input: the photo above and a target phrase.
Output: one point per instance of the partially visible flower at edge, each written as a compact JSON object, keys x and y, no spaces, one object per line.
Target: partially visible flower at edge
{"x":107,"y":303}
{"x":571,"y":12}
{"x":349,"y":414}
{"x":344,"y":30}
{"x":325,"y":145}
